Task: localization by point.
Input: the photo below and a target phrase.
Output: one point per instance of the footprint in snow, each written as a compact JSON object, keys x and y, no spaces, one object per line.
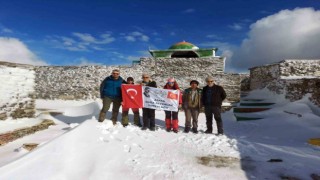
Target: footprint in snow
{"x":126,"y":148}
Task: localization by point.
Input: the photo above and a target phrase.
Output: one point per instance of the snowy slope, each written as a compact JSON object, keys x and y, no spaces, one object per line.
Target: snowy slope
{"x":95,"y":150}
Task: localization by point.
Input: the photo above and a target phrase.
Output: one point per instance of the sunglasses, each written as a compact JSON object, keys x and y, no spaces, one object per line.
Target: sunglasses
{"x":209,"y":81}
{"x":170,"y":82}
{"x":145,"y":77}
{"x":115,"y":73}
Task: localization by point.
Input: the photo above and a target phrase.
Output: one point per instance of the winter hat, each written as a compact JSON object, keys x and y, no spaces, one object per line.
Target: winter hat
{"x":171,"y":80}
{"x":130,"y":79}
{"x":194,"y":81}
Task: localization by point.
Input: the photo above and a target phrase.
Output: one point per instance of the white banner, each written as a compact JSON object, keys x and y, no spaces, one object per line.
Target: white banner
{"x":160,"y":99}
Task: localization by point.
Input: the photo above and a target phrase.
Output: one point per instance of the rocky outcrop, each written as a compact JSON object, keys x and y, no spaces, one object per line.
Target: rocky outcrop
{"x":17,"y":91}
{"x":19,"y":133}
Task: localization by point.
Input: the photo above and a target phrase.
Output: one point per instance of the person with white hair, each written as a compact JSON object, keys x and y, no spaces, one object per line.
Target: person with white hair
{"x":212,"y":97}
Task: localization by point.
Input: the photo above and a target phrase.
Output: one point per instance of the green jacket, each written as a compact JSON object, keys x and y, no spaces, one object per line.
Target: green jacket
{"x":187,"y":99}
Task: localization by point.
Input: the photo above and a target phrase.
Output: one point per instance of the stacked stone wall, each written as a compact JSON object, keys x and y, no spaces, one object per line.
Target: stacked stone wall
{"x":297,"y":88}
{"x":17,"y":93}
{"x":299,"y":68}
{"x":294,"y":78}
{"x":82,"y":82}
{"x":261,"y":76}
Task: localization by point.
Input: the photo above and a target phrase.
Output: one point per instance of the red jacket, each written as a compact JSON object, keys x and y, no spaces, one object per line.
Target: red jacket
{"x":175,"y":87}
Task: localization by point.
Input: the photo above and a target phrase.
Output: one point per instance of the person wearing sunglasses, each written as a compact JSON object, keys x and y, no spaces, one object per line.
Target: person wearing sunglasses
{"x":172,"y":116}
{"x":212,"y":97}
{"x":148,"y":115}
{"x":110,"y":92}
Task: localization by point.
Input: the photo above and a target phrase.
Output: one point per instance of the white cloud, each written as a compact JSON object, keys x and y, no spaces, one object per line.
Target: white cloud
{"x":224,"y":49}
{"x":236,"y":26}
{"x":136,"y":33}
{"x":130,"y":38}
{"x":286,"y":34}
{"x":213,"y":36}
{"x":82,"y":42}
{"x":14,"y":50}
{"x":188,"y":11}
{"x":144,"y":38}
{"x":85,"y":37}
{"x":134,"y":36}
{"x":7,"y":30}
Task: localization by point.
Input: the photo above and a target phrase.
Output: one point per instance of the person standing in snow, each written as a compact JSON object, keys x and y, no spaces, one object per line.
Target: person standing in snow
{"x":125,"y":111}
{"x":191,"y":103}
{"x":148,"y":115}
{"x":110,"y":92}
{"x":172,"y":116}
{"x":212,"y":97}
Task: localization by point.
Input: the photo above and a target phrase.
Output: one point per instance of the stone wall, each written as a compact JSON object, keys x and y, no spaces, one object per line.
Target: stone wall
{"x":296,"y":88}
{"x":17,"y":97}
{"x":261,"y":76}
{"x":294,"y":78}
{"x":299,"y":68}
{"x":82,"y":82}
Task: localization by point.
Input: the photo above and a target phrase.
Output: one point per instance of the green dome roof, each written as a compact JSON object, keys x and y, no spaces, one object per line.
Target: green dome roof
{"x":183,"y":45}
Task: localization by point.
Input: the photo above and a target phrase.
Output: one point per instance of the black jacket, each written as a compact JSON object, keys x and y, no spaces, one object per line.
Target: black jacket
{"x":151,"y":84}
{"x":218,"y":95}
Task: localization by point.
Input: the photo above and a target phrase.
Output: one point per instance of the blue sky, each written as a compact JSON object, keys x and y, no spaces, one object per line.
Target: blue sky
{"x":78,"y":32}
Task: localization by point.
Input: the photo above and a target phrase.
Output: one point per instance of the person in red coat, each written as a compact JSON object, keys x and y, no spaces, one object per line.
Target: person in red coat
{"x":172,"y":116}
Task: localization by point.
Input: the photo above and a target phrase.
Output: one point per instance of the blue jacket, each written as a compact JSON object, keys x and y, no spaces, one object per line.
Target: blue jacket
{"x":111,"y":87}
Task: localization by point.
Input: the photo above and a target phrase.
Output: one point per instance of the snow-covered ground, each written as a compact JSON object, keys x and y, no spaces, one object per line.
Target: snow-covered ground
{"x":79,"y":147}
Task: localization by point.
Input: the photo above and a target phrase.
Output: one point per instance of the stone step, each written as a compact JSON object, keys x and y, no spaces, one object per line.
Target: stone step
{"x":256,"y":104}
{"x":240,"y":118}
{"x":314,"y":141}
{"x":21,"y":132}
{"x":252,"y":99}
{"x":248,"y":110}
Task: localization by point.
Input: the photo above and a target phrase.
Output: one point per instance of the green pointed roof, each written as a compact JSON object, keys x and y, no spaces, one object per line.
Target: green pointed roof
{"x":183,"y":45}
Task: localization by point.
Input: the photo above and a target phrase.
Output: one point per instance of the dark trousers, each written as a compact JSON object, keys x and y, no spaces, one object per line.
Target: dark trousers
{"x":148,"y":116}
{"x":192,"y":113}
{"x":106,"y":105}
{"x":216,"y":111}
{"x":173,"y":115}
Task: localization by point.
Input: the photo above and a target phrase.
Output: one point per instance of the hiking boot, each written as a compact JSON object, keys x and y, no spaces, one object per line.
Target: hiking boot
{"x":144,"y":128}
{"x":168,"y":129}
{"x":152,"y":129}
{"x":175,"y":130}
{"x":208,"y":131}
{"x":194,"y":130}
{"x":219,"y":134}
{"x":102,"y":116}
{"x":186,"y":130}
{"x":139,"y":125}
{"x":114,"y":123}
{"x":124,"y":125}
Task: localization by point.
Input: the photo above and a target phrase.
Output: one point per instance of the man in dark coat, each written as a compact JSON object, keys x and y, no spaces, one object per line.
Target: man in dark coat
{"x":212,"y":97}
{"x":110,"y":92}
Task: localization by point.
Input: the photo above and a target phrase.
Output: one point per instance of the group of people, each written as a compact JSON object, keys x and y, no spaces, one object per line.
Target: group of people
{"x":191,"y":100}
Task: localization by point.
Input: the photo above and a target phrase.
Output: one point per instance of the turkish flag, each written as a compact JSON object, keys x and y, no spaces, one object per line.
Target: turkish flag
{"x":131,"y":96}
{"x":172,"y":95}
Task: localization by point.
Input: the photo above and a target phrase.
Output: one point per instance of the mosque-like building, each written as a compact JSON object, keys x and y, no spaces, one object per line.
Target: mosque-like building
{"x":184,"y":50}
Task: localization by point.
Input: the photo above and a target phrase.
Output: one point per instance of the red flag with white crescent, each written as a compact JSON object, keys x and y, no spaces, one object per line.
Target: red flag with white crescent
{"x":131,"y":96}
